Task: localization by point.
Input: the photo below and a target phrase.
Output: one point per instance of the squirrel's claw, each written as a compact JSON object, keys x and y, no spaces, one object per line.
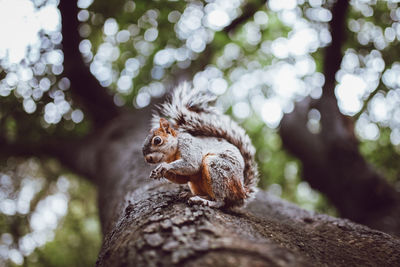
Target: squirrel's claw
{"x":154,"y":175}
{"x":159,"y":171}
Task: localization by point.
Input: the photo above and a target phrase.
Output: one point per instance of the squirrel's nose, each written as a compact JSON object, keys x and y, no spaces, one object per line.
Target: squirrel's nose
{"x":149,"y":159}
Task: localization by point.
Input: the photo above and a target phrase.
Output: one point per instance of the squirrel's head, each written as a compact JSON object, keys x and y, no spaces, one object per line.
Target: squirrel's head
{"x":161,"y":144}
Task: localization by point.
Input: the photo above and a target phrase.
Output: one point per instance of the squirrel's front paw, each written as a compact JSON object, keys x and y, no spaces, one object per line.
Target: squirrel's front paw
{"x":154,"y":175}
{"x":159,"y":171}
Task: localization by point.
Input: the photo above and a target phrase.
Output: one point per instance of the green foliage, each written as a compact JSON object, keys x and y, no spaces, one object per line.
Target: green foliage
{"x":76,"y":239}
{"x":384,"y":155}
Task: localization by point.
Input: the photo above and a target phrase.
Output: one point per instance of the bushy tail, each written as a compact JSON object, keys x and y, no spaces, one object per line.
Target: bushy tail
{"x":189,"y":110}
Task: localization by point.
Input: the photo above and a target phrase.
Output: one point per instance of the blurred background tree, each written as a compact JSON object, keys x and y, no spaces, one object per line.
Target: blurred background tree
{"x":60,"y":62}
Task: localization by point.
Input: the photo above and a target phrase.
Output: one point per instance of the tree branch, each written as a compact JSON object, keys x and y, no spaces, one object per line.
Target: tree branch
{"x":248,"y":11}
{"x":85,"y":88}
{"x":378,"y":89}
{"x":295,"y":135}
{"x":333,"y":129}
{"x":71,"y":153}
{"x":333,"y":53}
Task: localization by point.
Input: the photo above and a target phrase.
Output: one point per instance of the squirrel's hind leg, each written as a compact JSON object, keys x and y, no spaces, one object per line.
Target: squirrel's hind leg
{"x":226,"y":177}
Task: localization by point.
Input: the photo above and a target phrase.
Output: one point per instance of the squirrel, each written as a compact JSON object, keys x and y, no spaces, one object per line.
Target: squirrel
{"x":202,"y":147}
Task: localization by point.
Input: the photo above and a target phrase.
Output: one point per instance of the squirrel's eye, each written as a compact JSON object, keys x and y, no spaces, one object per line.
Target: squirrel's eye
{"x":157,"y":140}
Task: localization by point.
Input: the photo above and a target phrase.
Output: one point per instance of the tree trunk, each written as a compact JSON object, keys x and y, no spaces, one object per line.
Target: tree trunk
{"x":149,"y":223}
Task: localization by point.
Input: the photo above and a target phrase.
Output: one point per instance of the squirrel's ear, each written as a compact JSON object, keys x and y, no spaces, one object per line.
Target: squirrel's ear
{"x":164,"y":124}
{"x":166,"y":127}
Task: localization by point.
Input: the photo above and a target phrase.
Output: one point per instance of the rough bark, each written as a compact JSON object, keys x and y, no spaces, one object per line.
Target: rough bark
{"x":331,"y":159}
{"x":149,"y":223}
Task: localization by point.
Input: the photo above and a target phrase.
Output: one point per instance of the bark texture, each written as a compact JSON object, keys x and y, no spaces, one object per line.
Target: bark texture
{"x":149,"y":223}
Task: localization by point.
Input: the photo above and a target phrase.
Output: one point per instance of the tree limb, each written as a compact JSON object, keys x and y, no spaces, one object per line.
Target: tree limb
{"x":85,"y":88}
{"x":68,"y":152}
{"x":379,"y":88}
{"x":248,"y":11}
{"x":333,"y":53}
{"x":296,"y":136}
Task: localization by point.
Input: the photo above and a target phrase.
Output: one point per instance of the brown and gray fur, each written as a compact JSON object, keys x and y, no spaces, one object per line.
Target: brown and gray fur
{"x":202,"y":147}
